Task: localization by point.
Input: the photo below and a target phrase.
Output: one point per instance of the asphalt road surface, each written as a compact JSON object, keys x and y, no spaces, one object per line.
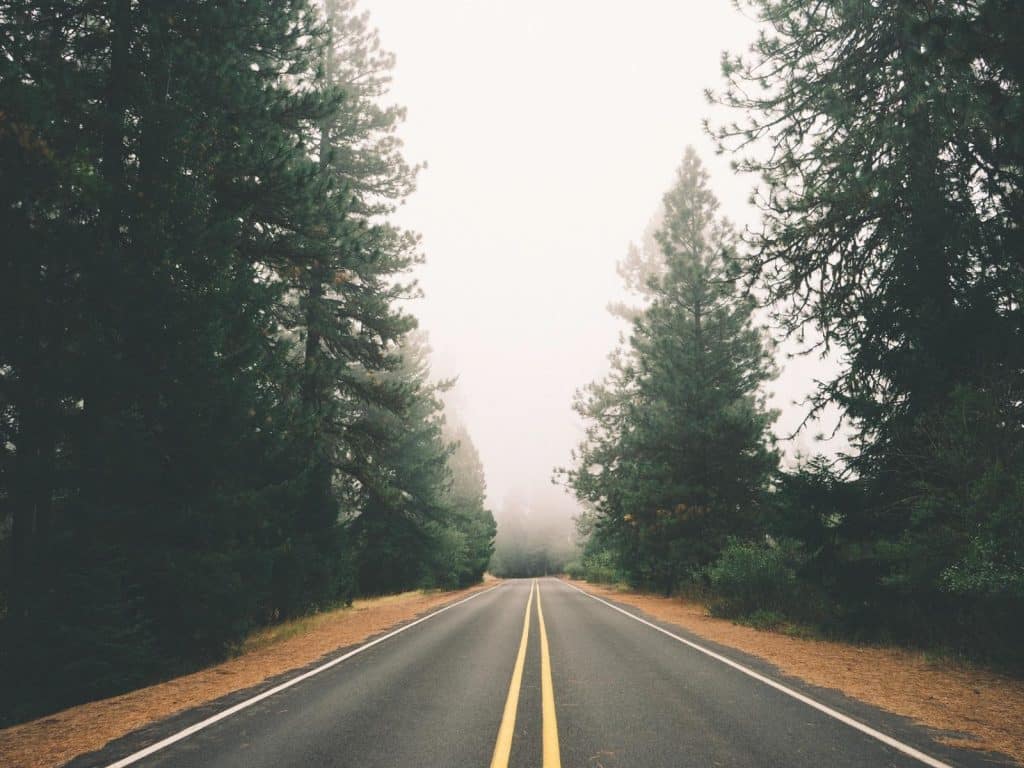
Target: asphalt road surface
{"x":536,"y":674}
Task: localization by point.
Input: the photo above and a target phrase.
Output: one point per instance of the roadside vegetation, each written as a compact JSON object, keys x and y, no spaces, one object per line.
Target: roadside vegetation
{"x":264,"y":654}
{"x":966,"y":705}
{"x":888,"y":145}
{"x":215,"y":413}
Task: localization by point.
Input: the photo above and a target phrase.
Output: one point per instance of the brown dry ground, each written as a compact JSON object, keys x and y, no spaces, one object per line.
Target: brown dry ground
{"x":56,"y":739}
{"x":988,"y":708}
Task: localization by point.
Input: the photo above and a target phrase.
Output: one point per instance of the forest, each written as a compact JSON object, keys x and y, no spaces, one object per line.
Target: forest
{"x":215,"y":411}
{"x":886,"y":142}
{"x":536,"y":533}
{"x":219,"y":412}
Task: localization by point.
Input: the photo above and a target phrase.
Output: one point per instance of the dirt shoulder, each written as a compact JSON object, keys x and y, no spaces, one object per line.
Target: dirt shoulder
{"x":56,"y":739}
{"x":987,"y":707}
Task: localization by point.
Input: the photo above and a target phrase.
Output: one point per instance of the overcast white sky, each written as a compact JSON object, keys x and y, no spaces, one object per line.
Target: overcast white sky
{"x":551,"y":129}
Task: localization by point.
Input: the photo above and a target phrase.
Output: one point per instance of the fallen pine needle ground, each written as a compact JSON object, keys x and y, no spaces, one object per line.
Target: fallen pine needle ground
{"x":988,"y":708}
{"x":55,"y":739}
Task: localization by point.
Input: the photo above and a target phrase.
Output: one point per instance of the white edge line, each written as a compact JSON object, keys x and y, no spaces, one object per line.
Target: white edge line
{"x":866,"y":729}
{"x":184,"y":734}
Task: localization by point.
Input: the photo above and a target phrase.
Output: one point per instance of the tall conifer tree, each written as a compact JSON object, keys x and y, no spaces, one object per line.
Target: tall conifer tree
{"x":678,"y":450}
{"x":892,"y":196}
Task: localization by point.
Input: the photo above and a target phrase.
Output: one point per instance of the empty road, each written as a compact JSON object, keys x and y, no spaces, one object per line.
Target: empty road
{"x":535,"y":673}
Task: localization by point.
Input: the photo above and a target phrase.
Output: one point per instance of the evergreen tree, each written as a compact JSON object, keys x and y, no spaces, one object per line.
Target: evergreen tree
{"x":163,"y":170}
{"x":678,"y":451}
{"x":892,"y":200}
{"x":468,"y":538}
{"x":49,"y":197}
{"x":402,"y":468}
{"x":339,"y":309}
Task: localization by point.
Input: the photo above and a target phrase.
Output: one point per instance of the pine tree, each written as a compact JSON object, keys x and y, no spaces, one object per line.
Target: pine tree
{"x":339,"y":308}
{"x":401,"y":462}
{"x":892,"y":200}
{"x":46,"y":211}
{"x":879,"y":195}
{"x":470,"y":530}
{"x":679,"y":451}
{"x":162,"y":146}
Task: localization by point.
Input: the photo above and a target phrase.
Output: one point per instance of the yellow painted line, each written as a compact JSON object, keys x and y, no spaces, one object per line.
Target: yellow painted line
{"x":552,"y":755}
{"x":503,"y":746}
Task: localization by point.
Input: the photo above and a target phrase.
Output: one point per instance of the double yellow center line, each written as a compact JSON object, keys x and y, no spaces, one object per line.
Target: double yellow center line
{"x":503,"y":746}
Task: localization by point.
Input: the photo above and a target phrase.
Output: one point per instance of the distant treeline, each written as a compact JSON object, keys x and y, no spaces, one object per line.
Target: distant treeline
{"x":536,"y":536}
{"x":889,"y":142}
{"x":213,"y":414}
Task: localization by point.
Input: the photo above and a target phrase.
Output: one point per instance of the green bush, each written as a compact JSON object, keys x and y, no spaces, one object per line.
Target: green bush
{"x":755,"y":578}
{"x":599,"y":567}
{"x":574,"y":569}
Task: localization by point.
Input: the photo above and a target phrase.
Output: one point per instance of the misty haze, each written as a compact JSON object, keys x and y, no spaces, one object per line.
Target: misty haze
{"x":478,"y":382}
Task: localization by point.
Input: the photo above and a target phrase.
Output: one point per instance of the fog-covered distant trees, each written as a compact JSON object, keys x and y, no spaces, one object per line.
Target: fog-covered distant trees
{"x":644,"y":263}
{"x":421,"y":517}
{"x":467,"y":538}
{"x":890,"y":151}
{"x":209,"y":396}
{"x":536,"y":535}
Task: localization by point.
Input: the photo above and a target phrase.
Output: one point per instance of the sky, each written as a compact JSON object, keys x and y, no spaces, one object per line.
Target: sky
{"x":550,"y":129}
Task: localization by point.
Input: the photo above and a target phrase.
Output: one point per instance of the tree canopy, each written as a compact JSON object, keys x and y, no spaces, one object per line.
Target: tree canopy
{"x":678,"y":449}
{"x":209,"y":394}
{"x":888,"y":146}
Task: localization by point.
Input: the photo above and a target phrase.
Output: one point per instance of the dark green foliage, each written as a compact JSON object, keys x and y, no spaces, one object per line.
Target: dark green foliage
{"x":886,"y":218}
{"x":892,"y":200}
{"x":145,"y":419}
{"x":466,"y":544}
{"x":87,"y":636}
{"x":749,"y":577}
{"x":423,"y":522}
{"x":199,"y":285}
{"x":599,"y":566}
{"x":889,"y":144}
{"x":678,"y":451}
{"x":967,"y":497}
{"x":403,"y":474}
{"x":854,"y":582}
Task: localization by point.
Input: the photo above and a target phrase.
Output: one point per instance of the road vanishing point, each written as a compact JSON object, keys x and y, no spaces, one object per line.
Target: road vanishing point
{"x":535,"y":674}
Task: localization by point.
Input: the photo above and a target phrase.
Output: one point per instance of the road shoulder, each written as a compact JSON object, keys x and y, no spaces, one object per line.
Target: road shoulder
{"x":122,"y":724}
{"x":965,"y":707}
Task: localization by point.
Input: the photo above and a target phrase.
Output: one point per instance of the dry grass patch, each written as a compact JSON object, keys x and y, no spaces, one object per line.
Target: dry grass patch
{"x":56,"y":739}
{"x":262,"y":638}
{"x":938,"y":693}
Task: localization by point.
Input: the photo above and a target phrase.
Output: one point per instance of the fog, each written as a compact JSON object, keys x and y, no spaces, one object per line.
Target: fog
{"x":551,"y":130}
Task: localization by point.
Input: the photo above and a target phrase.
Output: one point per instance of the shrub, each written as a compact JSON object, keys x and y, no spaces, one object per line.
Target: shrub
{"x":751,"y":578}
{"x":574,"y":569}
{"x":599,"y":567}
